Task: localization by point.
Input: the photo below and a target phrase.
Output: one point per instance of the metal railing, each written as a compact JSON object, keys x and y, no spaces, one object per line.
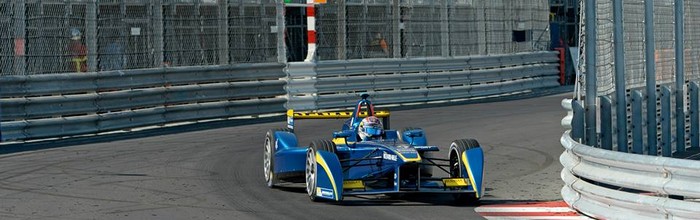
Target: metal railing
{"x":58,"y":105}
{"x":615,"y":185}
{"x":63,"y":105}
{"x":334,"y":84}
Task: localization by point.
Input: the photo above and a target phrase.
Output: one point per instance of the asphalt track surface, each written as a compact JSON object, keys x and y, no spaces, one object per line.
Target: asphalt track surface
{"x":217,"y":173}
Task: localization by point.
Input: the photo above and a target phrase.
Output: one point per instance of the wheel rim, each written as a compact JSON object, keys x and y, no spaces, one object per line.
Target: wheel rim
{"x":267,"y":158}
{"x":310,"y":172}
{"x":454,"y":164}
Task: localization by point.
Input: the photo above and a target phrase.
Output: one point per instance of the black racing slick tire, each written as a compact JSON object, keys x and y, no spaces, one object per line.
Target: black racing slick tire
{"x":269,"y":157}
{"x":310,"y":173}
{"x":456,"y":149}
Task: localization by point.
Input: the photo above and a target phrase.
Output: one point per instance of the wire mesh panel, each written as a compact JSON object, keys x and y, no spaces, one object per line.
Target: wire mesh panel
{"x":369,"y":29}
{"x":422,"y":27}
{"x":464,"y":29}
{"x":6,"y":37}
{"x":635,"y":69}
{"x":664,"y":41}
{"x":497,"y":34}
{"x":125,"y":35}
{"x":605,"y":62}
{"x":190,"y":34}
{"x":250,"y":31}
{"x":330,"y":35}
{"x":692,"y":40}
{"x":55,"y":37}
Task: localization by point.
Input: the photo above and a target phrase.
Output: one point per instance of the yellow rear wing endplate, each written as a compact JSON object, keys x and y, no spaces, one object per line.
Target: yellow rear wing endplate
{"x":292,"y":115}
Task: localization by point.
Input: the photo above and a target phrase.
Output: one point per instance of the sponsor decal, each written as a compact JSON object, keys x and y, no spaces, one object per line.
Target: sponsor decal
{"x":290,"y":122}
{"x":391,"y":157}
{"x":325,"y":193}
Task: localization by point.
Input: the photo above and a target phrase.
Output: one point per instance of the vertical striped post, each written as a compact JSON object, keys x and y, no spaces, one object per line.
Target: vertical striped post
{"x":311,"y":31}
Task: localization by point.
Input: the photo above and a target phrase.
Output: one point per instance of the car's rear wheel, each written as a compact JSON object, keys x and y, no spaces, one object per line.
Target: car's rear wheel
{"x":311,"y":173}
{"x":269,"y":150}
{"x":456,"y":149}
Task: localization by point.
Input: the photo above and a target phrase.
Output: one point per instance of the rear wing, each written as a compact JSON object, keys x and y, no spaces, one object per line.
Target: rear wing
{"x":292,"y":115}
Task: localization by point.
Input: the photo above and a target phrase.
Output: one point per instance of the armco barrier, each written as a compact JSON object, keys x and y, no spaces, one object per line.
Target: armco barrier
{"x":60,"y":105}
{"x":333,"y":84}
{"x":608,"y":184}
{"x":57,"y":105}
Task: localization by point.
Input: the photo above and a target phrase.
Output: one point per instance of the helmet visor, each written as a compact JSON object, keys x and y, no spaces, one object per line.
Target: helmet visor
{"x":373,"y":131}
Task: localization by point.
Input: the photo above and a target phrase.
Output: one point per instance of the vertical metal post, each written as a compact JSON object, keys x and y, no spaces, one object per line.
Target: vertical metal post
{"x":158,"y":38}
{"x":666,"y":135}
{"x":20,"y":23}
{"x":620,"y":90}
{"x":606,"y":140}
{"x":223,"y":33}
{"x":279,"y":20}
{"x":591,"y":92}
{"x":445,"y":27}
{"x":396,"y":23}
{"x":91,"y":34}
{"x":577,"y":123}
{"x":482,"y":32}
{"x":637,"y":127}
{"x":649,"y":43}
{"x":694,"y":116}
{"x":342,"y":34}
{"x":680,"y":75}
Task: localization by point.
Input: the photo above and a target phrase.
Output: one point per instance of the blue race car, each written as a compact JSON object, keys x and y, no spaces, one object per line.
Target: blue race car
{"x":363,"y":159}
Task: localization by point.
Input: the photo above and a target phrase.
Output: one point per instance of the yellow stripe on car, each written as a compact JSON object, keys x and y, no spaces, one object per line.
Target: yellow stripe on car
{"x":341,"y":141}
{"x":323,"y":164}
{"x":465,"y":161}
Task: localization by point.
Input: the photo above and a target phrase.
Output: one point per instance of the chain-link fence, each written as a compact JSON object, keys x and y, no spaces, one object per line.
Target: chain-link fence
{"x":59,"y":36}
{"x":356,"y":29}
{"x":634,"y":43}
{"x":692,"y":40}
{"x":6,"y":37}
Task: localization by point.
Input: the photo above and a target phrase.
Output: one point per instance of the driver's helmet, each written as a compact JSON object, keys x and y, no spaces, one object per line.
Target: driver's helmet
{"x":370,"y":128}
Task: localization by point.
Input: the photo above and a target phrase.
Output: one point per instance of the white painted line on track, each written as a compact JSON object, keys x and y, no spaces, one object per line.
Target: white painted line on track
{"x":524,"y":209}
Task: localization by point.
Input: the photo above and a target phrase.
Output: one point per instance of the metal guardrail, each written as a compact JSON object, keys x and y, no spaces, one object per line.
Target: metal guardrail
{"x":57,"y":105}
{"x":333,"y":84}
{"x":615,"y":185}
{"x":60,"y":105}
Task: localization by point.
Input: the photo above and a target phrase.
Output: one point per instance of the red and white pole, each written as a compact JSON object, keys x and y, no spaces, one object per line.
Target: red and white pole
{"x":311,"y":30}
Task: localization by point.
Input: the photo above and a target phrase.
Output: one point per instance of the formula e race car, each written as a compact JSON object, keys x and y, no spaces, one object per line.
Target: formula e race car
{"x":395,"y":162}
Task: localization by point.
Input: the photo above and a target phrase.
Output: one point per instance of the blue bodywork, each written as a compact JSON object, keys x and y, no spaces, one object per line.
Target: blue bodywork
{"x":391,"y":164}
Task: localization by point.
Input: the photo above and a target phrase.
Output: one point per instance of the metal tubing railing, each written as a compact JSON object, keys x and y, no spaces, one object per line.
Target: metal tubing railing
{"x":591,"y":88}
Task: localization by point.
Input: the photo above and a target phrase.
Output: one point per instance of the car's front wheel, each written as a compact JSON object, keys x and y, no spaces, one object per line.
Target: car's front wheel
{"x":456,"y":163}
{"x":311,"y":174}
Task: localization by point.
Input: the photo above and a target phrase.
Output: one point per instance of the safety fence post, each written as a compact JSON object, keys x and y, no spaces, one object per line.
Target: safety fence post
{"x":666,"y":135}
{"x":606,"y":136}
{"x":637,"y":135}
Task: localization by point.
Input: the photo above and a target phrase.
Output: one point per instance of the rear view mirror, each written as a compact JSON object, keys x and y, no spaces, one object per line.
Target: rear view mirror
{"x":413,"y":133}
